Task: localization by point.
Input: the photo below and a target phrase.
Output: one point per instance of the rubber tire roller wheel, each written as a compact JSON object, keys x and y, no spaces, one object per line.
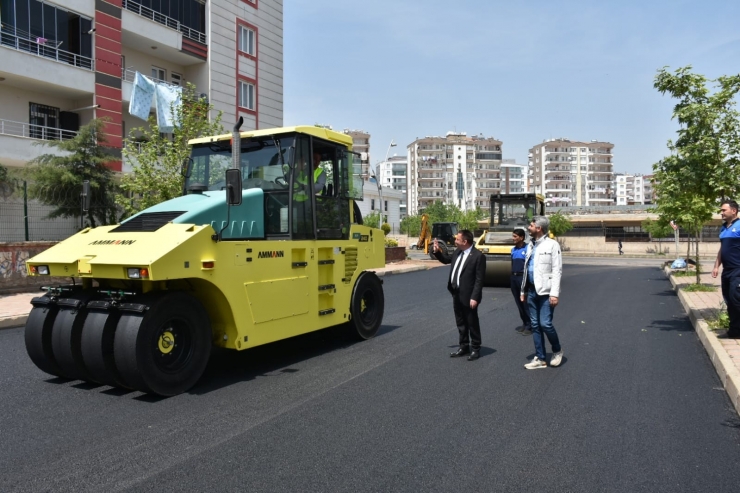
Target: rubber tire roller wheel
{"x":66,"y":335}
{"x":37,"y":335}
{"x":366,"y":306}
{"x":165,"y":349}
{"x":98,"y":334}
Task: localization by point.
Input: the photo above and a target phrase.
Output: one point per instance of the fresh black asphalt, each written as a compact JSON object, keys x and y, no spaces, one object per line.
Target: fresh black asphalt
{"x":635,"y":406}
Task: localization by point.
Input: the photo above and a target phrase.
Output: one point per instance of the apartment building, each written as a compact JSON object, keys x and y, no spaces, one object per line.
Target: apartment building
{"x":361,"y":145}
{"x":514,"y":177}
{"x":633,"y":189}
{"x":65,"y":62}
{"x":393,"y":174}
{"x":573,"y":172}
{"x":455,"y":169}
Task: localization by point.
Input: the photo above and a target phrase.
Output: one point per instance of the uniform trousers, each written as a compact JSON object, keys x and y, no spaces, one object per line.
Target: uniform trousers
{"x":731,"y":294}
{"x":516,"y":290}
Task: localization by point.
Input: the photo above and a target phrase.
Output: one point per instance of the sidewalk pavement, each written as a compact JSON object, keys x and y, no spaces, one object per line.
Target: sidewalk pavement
{"x":724,"y":353}
{"x":14,"y":308}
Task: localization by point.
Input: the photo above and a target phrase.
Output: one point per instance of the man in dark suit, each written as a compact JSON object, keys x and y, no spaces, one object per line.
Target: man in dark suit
{"x":465,"y":283}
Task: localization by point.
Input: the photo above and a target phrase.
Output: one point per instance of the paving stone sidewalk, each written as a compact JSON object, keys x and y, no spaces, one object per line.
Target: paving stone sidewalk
{"x":702,"y":307}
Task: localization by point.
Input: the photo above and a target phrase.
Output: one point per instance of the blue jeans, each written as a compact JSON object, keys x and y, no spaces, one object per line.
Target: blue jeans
{"x":540,"y":314}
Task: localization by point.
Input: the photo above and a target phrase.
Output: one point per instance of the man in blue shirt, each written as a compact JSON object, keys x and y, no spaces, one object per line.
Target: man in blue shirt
{"x":518,"y":254}
{"x":729,"y":258}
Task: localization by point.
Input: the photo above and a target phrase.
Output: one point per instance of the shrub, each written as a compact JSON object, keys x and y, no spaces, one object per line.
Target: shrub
{"x":386,"y":228}
{"x":391,"y":242}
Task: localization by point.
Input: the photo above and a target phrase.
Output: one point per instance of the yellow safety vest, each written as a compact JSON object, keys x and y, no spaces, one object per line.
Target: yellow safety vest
{"x":301,"y":184}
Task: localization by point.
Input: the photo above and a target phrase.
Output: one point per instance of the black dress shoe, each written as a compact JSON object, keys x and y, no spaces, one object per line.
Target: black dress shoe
{"x":460,"y":352}
{"x":474,"y":355}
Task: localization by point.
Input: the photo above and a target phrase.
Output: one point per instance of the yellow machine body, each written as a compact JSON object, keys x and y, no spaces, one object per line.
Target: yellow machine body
{"x":255,"y":292}
{"x":267,"y":244}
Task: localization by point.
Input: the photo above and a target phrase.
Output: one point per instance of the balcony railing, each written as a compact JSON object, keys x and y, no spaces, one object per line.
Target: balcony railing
{"x":38,"y":47}
{"x":164,"y":20}
{"x":30,"y":131}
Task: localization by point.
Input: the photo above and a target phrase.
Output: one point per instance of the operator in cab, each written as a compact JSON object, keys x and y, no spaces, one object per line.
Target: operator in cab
{"x":301,"y":182}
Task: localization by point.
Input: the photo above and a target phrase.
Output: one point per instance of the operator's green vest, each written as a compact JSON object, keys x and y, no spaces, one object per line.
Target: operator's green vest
{"x":301,"y":185}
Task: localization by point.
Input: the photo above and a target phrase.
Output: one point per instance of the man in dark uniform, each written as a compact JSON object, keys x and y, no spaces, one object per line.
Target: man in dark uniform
{"x":518,"y":254}
{"x":465,"y":284}
{"x":729,"y":258}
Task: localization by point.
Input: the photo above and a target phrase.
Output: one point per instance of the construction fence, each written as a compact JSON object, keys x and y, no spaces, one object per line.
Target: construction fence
{"x":29,"y":213}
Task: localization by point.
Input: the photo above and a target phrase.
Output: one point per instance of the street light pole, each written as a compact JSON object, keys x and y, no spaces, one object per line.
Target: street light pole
{"x":380,"y":186}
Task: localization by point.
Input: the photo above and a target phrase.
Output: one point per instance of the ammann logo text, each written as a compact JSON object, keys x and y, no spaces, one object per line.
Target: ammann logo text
{"x":271,"y":254}
{"x":112,"y":242}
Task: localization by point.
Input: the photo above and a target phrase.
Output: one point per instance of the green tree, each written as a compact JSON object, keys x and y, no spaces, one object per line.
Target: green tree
{"x":440,"y":212}
{"x":56,"y":180}
{"x":8,"y":182}
{"x":703,"y":163}
{"x":157,"y":158}
{"x":371,"y":219}
{"x":560,"y":223}
{"x":660,"y":228}
{"x":411,"y":225}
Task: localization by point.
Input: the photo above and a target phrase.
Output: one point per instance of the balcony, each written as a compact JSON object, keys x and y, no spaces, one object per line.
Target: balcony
{"x":14,"y":143}
{"x":164,"y":20}
{"x":18,"y":40}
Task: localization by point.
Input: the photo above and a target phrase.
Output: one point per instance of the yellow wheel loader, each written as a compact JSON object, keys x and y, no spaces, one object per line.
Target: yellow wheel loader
{"x":260,"y":248}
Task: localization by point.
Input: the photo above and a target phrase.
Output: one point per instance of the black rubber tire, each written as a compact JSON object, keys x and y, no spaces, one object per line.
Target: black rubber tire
{"x":38,"y":337}
{"x":366,"y":306}
{"x":96,"y":345}
{"x":136,"y":347}
{"x":66,"y":336}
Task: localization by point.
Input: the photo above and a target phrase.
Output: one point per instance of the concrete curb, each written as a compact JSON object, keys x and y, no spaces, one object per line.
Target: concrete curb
{"x":12,"y":322}
{"x":723,"y":364}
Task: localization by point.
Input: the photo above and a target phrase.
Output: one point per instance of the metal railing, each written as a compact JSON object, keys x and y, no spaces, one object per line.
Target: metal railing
{"x":9,"y":39}
{"x":186,"y":31}
{"x":30,"y":131}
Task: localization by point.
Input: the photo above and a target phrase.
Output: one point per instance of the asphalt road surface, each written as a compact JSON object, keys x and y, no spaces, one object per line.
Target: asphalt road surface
{"x":635,"y":406}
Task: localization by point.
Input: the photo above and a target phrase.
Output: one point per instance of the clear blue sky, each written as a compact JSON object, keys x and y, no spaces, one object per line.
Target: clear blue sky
{"x":518,"y":71}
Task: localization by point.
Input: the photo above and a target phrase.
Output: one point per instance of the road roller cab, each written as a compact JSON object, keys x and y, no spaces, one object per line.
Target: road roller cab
{"x":266,"y":244}
{"x":508,"y":212}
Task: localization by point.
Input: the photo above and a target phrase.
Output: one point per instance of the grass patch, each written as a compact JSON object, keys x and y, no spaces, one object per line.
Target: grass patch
{"x":693,"y":288}
{"x":722,"y":321}
{"x":683,"y":273}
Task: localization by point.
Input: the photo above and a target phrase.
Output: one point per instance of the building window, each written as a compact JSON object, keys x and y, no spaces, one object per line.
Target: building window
{"x":176,"y":79}
{"x":246,"y":95}
{"x":246,"y":41}
{"x":385,"y":205}
{"x":372,"y":204}
{"x":159,"y":74}
{"x":44,"y":120}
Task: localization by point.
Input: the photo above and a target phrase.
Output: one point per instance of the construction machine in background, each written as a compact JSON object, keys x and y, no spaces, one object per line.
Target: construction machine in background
{"x":256,"y":251}
{"x":508,"y":212}
{"x":425,"y":235}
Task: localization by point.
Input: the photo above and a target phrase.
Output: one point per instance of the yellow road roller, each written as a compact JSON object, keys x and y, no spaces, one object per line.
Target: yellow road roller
{"x":267,"y":243}
{"x":508,"y":212}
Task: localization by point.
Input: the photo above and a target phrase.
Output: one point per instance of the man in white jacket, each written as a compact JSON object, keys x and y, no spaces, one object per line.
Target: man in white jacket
{"x":543,"y":267}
